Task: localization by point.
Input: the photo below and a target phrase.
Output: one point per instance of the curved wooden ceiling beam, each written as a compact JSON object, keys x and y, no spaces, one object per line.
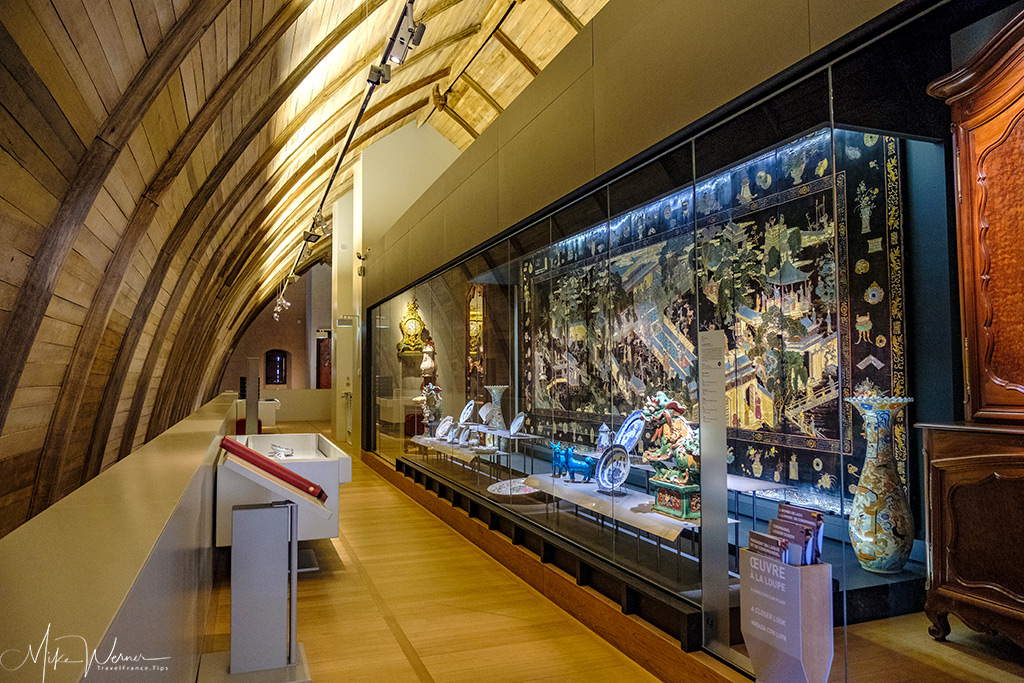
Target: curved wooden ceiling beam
{"x":265,"y":159}
{"x":254,"y":172}
{"x":166,"y":320}
{"x":320,"y":252}
{"x":202,"y":320}
{"x":126,"y":350}
{"x":198,"y":322}
{"x":152,"y":355}
{"x":108,"y":404}
{"x":247,"y":254}
{"x":209,"y":379}
{"x":494,"y":17}
{"x":35,"y":294}
{"x":37,"y":289}
{"x":217,"y":368}
{"x":69,"y":399}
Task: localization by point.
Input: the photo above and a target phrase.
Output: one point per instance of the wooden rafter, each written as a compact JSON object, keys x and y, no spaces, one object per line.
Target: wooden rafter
{"x":126,"y":351}
{"x":37,"y":289}
{"x":495,"y":15}
{"x":441,"y":104}
{"x":98,"y":316}
{"x":35,"y":292}
{"x":514,"y":50}
{"x":213,"y":149}
{"x":567,"y":14}
{"x":139,"y":396}
{"x":482,"y":92}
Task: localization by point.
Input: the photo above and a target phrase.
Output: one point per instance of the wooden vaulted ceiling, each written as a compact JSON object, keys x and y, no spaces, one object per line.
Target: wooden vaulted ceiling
{"x":159,"y":159}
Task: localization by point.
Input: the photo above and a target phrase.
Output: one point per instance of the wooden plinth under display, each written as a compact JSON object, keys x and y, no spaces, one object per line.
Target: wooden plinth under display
{"x":682,"y":502}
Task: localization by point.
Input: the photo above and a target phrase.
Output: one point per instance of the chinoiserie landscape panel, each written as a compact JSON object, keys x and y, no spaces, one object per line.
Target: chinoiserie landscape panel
{"x":796,"y":253}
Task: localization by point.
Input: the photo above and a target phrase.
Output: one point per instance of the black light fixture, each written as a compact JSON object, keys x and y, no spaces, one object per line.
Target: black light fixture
{"x":407,"y":35}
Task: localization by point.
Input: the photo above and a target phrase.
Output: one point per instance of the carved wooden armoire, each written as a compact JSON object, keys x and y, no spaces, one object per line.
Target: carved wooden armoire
{"x":976,"y":468}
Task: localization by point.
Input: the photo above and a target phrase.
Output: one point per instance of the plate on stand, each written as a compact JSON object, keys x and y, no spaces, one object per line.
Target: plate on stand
{"x":612,"y":469}
{"x":517,"y":423}
{"x":444,"y":427}
{"x":467,"y":413}
{"x":630,"y":431}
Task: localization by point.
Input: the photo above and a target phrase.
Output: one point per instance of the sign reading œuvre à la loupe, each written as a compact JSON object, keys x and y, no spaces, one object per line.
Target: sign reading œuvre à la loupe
{"x":786,"y":618}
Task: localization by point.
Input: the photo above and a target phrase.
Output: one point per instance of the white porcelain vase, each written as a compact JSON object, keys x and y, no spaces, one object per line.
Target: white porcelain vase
{"x":496,"y":420}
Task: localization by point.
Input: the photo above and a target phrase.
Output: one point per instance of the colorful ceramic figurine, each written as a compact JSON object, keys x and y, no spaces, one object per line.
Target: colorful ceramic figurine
{"x":672,"y":448}
{"x":881,"y":524}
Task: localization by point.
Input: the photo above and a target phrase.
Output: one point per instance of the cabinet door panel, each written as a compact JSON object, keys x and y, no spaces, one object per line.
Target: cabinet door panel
{"x":999,"y":258}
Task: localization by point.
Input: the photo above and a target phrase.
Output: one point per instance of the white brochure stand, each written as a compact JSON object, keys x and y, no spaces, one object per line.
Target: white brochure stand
{"x":786,"y":619}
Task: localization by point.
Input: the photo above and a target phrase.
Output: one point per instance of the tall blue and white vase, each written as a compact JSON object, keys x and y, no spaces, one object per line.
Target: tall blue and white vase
{"x":881,"y":523}
{"x":496,"y":420}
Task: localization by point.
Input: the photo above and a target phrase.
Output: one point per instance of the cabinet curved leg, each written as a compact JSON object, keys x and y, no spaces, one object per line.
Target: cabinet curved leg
{"x":940,"y":625}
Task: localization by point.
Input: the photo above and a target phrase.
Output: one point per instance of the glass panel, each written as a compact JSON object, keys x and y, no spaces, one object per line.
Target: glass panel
{"x":765,"y":239}
{"x":387,"y":406}
{"x":780,"y":230}
{"x":894,"y":268}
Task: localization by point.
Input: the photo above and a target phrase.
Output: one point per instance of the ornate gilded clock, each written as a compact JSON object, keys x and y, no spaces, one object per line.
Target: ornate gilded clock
{"x":412,"y":327}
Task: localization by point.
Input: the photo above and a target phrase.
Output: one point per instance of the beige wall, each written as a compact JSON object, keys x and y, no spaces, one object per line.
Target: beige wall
{"x":303,"y":405}
{"x":640,"y":71}
{"x":265,"y":333}
{"x":389,"y":175}
{"x":107,"y":566}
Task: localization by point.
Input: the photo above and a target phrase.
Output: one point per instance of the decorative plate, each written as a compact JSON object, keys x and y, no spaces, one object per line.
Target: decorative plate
{"x":464,"y":437}
{"x":485,"y":412}
{"x":444,"y":427}
{"x":630,"y":431}
{"x":517,"y":423}
{"x":467,"y":413}
{"x":453,"y":433}
{"x":511,"y":487}
{"x":612,"y":468}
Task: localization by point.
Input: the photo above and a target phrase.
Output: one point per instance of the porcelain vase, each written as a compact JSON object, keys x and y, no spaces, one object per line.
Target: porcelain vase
{"x":881,"y":524}
{"x":496,"y":420}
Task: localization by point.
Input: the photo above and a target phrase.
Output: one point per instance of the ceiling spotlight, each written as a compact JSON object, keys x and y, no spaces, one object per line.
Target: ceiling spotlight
{"x":311,"y":237}
{"x":379,"y":74}
{"x":321,"y":225}
{"x":408,"y":34}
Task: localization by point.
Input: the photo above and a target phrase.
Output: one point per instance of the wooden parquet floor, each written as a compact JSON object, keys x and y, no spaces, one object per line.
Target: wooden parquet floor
{"x":400,"y":596}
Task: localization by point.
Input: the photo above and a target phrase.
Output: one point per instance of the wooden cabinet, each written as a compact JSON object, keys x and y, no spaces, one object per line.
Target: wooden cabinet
{"x":987,"y":99}
{"x":975,"y":469}
{"x":975,"y":534}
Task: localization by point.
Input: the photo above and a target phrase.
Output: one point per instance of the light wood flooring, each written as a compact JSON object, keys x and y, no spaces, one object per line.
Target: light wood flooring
{"x":402,"y":597}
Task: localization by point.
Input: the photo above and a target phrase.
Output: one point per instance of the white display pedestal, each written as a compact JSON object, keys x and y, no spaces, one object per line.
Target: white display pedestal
{"x":314,"y":457}
{"x":786,"y":619}
{"x":268,"y":408}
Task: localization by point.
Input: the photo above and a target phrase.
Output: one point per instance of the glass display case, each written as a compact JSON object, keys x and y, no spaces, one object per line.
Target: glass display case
{"x":558,"y":372}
